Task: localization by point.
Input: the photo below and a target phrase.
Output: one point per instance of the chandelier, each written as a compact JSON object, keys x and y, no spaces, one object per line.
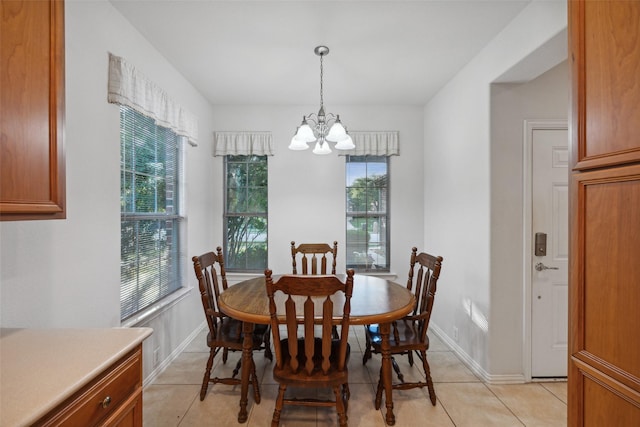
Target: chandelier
{"x":321,"y":128}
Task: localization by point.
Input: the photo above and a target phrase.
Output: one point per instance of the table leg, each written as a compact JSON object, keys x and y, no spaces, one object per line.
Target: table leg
{"x":385,"y":372}
{"x":247,"y":346}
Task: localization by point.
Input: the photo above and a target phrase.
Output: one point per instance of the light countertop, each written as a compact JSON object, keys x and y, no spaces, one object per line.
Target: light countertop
{"x":40,"y":368}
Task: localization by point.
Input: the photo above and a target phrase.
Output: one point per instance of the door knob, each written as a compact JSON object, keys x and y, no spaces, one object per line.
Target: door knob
{"x":540,"y":266}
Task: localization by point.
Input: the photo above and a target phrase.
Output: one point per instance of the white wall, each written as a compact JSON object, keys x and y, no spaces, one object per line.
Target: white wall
{"x":66,"y":273}
{"x":458,"y":188}
{"x":546,"y":97}
{"x":307,"y":192}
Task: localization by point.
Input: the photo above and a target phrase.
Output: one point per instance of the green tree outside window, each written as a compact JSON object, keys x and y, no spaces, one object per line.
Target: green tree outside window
{"x":246,"y":213}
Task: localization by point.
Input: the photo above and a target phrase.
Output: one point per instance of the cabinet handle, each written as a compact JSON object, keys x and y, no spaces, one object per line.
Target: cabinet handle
{"x":106,"y":402}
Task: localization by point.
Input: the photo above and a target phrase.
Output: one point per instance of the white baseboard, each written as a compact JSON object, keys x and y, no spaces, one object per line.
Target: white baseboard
{"x":174,"y":354}
{"x":472,"y":364}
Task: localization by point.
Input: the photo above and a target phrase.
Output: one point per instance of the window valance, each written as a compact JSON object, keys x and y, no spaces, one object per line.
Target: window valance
{"x":127,"y":86}
{"x":383,"y":143}
{"x":242,"y":144}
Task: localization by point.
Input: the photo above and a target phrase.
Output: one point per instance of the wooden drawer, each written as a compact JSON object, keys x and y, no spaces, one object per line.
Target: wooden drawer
{"x":102,"y":397}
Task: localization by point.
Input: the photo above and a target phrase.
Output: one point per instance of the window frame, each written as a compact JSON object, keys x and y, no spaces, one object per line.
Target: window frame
{"x":226,"y":214}
{"x":366,"y":215}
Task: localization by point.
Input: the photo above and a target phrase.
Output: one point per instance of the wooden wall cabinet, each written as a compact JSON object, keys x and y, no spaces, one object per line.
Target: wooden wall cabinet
{"x":604,"y":274}
{"x":32,"y":158}
{"x":113,"y":398}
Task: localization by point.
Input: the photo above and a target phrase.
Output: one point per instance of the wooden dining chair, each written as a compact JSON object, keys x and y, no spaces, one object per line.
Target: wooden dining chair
{"x":409,"y":334}
{"x":309,"y":261}
{"x":302,"y":358}
{"x":310,"y":254}
{"x":225,"y":333}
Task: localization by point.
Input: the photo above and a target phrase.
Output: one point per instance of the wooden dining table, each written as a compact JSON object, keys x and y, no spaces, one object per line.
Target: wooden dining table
{"x":374,"y":300}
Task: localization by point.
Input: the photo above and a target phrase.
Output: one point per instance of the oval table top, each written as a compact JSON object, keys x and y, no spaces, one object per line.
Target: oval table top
{"x":374,"y":300}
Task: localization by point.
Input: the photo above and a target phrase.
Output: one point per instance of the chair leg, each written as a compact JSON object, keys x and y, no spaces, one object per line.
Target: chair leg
{"x":397,"y":369}
{"x":237,"y":368}
{"x":346,"y":395}
{"x":367,"y":351}
{"x":207,"y":374}
{"x":340,"y":407}
{"x":267,"y":347}
{"x":410,"y":354}
{"x":254,"y":382}
{"x":379,"y":392}
{"x":427,"y":373}
{"x":334,"y":333}
{"x":225,"y":355}
{"x":275,"y":421}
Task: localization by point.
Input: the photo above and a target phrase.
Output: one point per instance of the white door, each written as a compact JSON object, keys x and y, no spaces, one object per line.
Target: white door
{"x":549,"y":265}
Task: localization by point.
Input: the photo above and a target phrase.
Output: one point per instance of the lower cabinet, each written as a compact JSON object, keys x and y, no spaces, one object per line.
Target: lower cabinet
{"x":113,"y":398}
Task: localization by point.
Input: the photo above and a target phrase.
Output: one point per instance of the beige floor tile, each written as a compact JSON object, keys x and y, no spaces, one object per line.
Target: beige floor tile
{"x":358,"y":374}
{"x":353,"y":340}
{"x":534,"y":405}
{"x":462,"y":399}
{"x":559,"y":389}
{"x":187,"y":368}
{"x":413,"y":408}
{"x":219,"y":408}
{"x":435,"y":344}
{"x":446,"y":367}
{"x":473,"y":405}
{"x":166,"y":405}
{"x":358,"y":332}
{"x":199,"y":343}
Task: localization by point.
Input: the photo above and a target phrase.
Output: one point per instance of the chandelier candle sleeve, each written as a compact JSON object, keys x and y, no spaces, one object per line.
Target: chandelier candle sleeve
{"x":322,"y":127}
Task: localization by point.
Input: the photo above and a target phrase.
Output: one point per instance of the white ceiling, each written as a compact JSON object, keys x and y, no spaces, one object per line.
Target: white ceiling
{"x":261,"y":52}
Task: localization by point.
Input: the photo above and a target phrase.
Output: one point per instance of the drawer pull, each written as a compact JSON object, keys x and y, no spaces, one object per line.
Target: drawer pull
{"x":106,"y":402}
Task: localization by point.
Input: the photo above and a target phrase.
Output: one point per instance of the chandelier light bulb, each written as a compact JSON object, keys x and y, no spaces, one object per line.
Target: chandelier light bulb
{"x":304,"y":132}
{"x":297,"y":144}
{"x":322,"y":148}
{"x":337,"y":132}
{"x":345,"y":143}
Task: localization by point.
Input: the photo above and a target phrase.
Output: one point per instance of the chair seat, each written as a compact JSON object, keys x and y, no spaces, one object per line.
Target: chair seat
{"x":317,"y":377}
{"x":408,"y":337}
{"x":231,"y":332}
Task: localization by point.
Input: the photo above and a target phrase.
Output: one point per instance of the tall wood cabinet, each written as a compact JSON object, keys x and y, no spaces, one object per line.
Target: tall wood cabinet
{"x":604,"y":299}
{"x":32,"y":163}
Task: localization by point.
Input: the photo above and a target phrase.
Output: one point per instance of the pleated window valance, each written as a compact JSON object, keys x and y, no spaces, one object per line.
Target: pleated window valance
{"x":242,"y":144}
{"x":127,"y":86}
{"x":383,"y":143}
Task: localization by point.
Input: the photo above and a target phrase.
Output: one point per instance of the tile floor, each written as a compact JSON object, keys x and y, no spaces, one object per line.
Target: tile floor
{"x":463,"y":400}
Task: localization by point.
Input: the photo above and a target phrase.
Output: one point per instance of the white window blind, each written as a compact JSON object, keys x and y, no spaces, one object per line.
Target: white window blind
{"x":150,"y":166}
{"x":368,"y":217}
{"x":246,"y":213}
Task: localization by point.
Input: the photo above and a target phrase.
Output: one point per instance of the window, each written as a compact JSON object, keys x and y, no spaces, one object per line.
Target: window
{"x":245,"y":213}
{"x":367,"y":240}
{"x":150,"y":249}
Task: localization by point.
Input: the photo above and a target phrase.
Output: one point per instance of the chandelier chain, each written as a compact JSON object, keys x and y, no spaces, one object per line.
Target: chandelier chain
{"x":321,"y":77}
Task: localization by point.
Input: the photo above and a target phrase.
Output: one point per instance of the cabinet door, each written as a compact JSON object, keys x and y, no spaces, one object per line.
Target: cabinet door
{"x":129,"y":415}
{"x":604,"y":277}
{"x":32,"y":173}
